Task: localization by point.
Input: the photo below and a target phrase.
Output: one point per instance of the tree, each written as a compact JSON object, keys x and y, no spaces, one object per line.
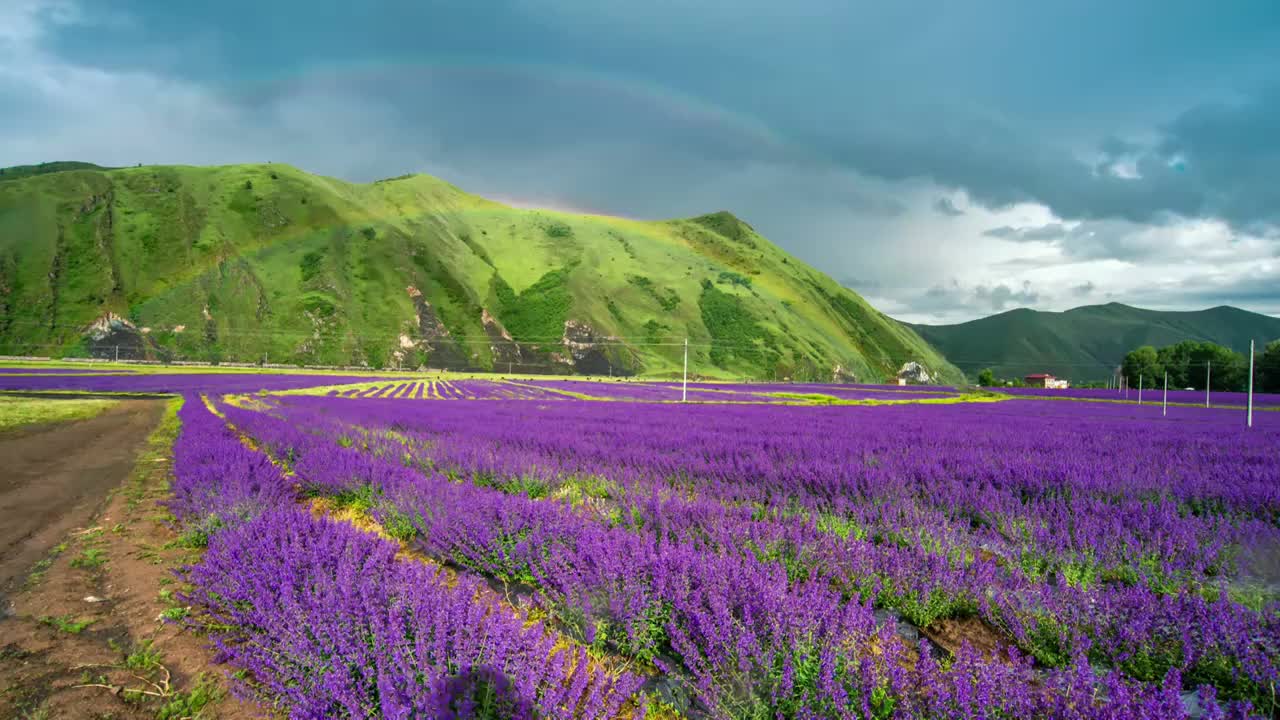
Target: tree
{"x":986,"y":378}
{"x":1230,"y":371}
{"x":1186,"y":363}
{"x":1268,"y":368}
{"x":1177,"y":361}
{"x":1141,"y":366}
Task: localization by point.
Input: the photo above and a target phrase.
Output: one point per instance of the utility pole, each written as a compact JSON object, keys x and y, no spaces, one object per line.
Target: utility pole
{"x":684,"y":393}
{"x":1207,"y":368}
{"x":1250,"y":419}
{"x":1165,"y":410}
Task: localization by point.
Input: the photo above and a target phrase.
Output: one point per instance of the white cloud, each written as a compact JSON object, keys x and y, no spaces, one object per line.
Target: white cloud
{"x":1025,"y":256}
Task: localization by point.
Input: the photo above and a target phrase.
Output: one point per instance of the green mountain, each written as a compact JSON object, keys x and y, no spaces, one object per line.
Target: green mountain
{"x":1088,"y":342}
{"x":246,"y":262}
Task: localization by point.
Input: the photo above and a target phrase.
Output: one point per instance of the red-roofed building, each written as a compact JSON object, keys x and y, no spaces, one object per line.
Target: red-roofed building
{"x":1045,"y":380}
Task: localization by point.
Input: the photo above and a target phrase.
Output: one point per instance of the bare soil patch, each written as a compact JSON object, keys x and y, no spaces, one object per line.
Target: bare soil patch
{"x":56,"y":477}
{"x":93,"y":631}
{"x":951,"y":633}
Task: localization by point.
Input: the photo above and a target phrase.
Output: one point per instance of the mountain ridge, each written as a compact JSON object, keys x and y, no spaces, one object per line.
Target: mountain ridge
{"x":1086,"y":342}
{"x":240,"y":262}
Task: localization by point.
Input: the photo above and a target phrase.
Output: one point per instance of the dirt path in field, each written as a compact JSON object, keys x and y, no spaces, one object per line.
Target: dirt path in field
{"x":56,"y":477}
{"x":97,"y":602}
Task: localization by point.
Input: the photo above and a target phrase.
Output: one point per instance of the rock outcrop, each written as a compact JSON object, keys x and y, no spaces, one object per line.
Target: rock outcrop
{"x":914,"y":372}
{"x":589,"y":354}
{"x":113,"y":337}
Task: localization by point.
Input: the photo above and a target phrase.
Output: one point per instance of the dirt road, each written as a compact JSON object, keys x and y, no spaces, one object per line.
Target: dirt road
{"x":55,"y":478}
{"x":95,"y":632}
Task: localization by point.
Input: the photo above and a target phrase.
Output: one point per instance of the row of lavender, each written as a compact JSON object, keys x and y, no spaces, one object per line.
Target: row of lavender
{"x":1153,"y":395}
{"x":329,"y":623}
{"x":729,"y":392}
{"x":750,"y":570}
{"x":848,"y":391}
{"x":172,"y":383}
{"x":450,"y":390}
{"x":629,"y":391}
{"x":541,"y":390}
{"x":37,"y":370}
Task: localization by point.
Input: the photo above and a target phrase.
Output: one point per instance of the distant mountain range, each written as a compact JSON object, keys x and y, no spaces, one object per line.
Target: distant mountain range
{"x":1088,"y":342}
{"x":252,"y":262}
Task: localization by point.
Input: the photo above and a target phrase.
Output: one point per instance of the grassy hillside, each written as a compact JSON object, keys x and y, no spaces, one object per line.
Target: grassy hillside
{"x":242,"y":262}
{"x":1087,"y":342}
{"x":17,"y":172}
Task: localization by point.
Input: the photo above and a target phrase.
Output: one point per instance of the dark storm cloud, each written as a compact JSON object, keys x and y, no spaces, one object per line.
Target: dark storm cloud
{"x":1258,"y":291}
{"x":1231,"y":153}
{"x":856,"y":83}
{"x":1213,"y":160}
{"x":1043,"y":233}
{"x":944,"y":206}
{"x":1002,"y":296}
{"x":1001,"y":166}
{"x":953,"y":298}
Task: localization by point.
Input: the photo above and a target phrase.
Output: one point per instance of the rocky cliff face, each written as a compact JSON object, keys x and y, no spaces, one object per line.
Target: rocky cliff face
{"x":115,"y":338}
{"x":580,"y":351}
{"x":437,"y":346}
{"x":914,"y":372}
{"x":589,"y":354}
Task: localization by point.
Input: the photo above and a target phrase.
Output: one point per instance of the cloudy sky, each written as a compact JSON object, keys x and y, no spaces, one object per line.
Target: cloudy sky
{"x":945,"y":159}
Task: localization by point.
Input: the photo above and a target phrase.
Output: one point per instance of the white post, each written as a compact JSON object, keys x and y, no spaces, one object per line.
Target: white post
{"x":684,"y":393}
{"x":1165,"y":410}
{"x":1139,"y":388}
{"x":1250,"y":420}
{"x":117,"y":353}
{"x":1207,"y":370}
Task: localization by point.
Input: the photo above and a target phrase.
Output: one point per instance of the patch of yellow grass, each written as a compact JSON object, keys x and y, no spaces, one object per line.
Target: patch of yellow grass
{"x":17,"y":412}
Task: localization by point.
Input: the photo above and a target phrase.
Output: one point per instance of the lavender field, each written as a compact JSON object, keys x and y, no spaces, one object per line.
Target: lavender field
{"x":566,"y":549}
{"x":612,"y":559}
